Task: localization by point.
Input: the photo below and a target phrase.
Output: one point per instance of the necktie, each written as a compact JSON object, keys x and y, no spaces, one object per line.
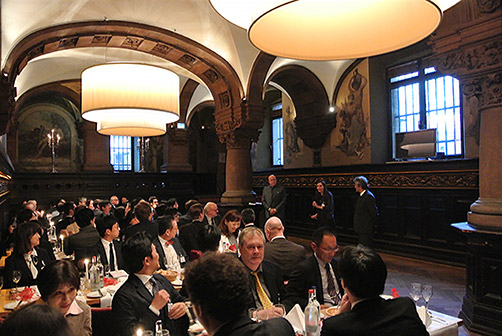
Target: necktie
{"x":112,"y":258}
{"x":262,"y":296}
{"x":155,"y":286}
{"x":331,"y":286}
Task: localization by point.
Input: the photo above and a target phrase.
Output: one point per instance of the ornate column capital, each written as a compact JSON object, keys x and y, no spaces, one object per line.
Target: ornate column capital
{"x":238,"y":126}
{"x":487,"y":89}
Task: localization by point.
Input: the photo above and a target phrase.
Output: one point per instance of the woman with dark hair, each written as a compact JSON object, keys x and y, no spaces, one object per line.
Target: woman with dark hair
{"x":58,"y":284}
{"x":229,"y":226}
{"x":35,"y":320}
{"x":323,"y":205}
{"x":26,"y":258}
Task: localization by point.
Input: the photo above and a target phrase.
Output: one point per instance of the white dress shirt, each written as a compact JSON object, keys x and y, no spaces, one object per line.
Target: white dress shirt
{"x":324,"y":281}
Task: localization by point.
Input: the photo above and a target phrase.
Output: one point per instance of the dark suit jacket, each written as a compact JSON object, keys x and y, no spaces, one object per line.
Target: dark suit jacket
{"x":273,"y":281}
{"x":119,"y":261}
{"x":216,"y":221}
{"x":177,"y":247}
{"x":151,"y":228}
{"x":243,"y":326}
{"x":83,"y":243}
{"x":17,"y":262}
{"x":274,"y":198}
{"x":188,"y":236}
{"x":304,"y":276}
{"x":365,"y":214}
{"x":377,"y":317}
{"x":284,"y":253}
{"x":130,"y":306}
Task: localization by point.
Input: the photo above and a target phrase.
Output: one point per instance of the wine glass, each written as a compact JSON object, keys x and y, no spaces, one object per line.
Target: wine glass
{"x":16,"y":277}
{"x":427,"y":294}
{"x":415,"y":291}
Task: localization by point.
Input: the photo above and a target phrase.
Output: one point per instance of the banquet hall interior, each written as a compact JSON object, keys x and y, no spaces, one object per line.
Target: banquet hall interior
{"x":242,"y":114}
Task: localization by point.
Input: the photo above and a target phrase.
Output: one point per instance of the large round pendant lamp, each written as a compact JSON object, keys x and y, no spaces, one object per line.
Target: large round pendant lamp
{"x":321,"y":30}
{"x":130,"y":98}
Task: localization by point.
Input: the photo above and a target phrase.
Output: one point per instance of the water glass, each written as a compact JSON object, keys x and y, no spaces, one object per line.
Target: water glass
{"x":415,"y":291}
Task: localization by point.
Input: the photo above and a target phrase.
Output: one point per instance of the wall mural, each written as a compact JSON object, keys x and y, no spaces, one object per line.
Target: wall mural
{"x":350,"y":139}
{"x":34,"y":153}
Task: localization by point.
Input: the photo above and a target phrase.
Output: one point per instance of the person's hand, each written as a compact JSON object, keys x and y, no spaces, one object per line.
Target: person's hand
{"x":12,"y":227}
{"x":275,"y":312}
{"x":177,"y":310}
{"x":65,"y":233}
{"x":314,"y":216}
{"x":134,"y":221}
{"x":273,"y":211}
{"x":161,"y":299}
{"x":345,"y":304}
{"x":314,"y":204}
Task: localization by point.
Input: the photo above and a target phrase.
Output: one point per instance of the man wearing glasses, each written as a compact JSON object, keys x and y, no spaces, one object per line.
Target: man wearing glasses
{"x":320,"y":270}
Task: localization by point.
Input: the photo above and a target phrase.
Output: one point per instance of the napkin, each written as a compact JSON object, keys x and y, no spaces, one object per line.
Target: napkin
{"x":106,"y":301}
{"x":424,"y":316}
{"x":296,"y":317}
{"x":119,"y":274}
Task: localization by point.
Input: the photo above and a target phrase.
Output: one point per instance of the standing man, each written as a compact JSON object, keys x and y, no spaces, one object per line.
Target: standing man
{"x":283,"y":252}
{"x":363,"y":311}
{"x":274,"y":199}
{"x":265,"y":279}
{"x":366,"y":212}
{"x":222,"y":310}
{"x":320,"y":270}
{"x":145,"y":297}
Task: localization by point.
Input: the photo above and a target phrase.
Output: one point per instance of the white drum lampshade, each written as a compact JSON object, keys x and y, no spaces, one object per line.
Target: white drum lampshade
{"x":321,"y":30}
{"x":130,"y":99}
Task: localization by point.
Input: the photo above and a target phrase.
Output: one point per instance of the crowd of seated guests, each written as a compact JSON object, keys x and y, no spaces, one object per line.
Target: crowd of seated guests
{"x":141,"y":237}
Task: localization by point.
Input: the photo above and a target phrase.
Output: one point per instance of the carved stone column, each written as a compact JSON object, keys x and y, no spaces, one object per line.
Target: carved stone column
{"x":471,"y":50}
{"x":237,"y":128}
{"x":7,"y":102}
{"x":96,"y":149}
{"x":175,"y":151}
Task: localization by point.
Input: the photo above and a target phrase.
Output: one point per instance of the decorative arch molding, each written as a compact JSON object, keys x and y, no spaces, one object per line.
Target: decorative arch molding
{"x":212,"y":69}
{"x":185,"y":96}
{"x":69,"y":90}
{"x":313,"y":121}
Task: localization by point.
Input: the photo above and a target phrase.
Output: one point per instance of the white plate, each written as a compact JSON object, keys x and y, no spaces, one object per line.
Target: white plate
{"x":177,"y":282}
{"x":94,"y":295}
{"x":12,"y":305}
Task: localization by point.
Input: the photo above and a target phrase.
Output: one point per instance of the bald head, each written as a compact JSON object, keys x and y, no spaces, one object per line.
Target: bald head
{"x":211,"y":209}
{"x":274,"y":228}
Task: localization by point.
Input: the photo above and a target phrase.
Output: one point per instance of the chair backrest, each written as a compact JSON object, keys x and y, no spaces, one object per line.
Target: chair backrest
{"x":103,"y":323}
{"x":195,"y":254}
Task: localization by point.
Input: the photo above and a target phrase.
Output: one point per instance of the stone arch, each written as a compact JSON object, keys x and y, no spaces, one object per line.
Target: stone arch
{"x":212,"y":69}
{"x":313,"y":122}
{"x":185,"y":96}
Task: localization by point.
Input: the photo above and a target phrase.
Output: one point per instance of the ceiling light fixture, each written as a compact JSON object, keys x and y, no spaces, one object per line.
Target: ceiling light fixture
{"x":130,"y":99}
{"x":322,"y":30}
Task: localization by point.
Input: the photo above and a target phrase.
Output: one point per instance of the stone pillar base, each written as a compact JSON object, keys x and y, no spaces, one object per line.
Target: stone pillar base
{"x":482,"y":303}
{"x":486,"y":213}
{"x":237,"y":197}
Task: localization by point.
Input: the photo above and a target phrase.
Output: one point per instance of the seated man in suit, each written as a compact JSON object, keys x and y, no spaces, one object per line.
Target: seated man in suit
{"x":83,"y":243}
{"x":171,"y":254}
{"x":145,"y":297}
{"x":144,"y":214}
{"x":284,"y":253}
{"x":109,"y":248}
{"x":362,"y":310}
{"x":265,"y":279}
{"x":223,"y":309}
{"x":248,"y":217}
{"x":320,"y":270}
{"x":188,"y":233}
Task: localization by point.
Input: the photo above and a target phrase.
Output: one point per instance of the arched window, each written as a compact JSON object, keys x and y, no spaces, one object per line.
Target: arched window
{"x":422,"y":98}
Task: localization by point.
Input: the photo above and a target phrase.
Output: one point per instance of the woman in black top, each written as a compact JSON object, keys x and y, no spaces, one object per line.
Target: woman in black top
{"x":323,"y":205}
